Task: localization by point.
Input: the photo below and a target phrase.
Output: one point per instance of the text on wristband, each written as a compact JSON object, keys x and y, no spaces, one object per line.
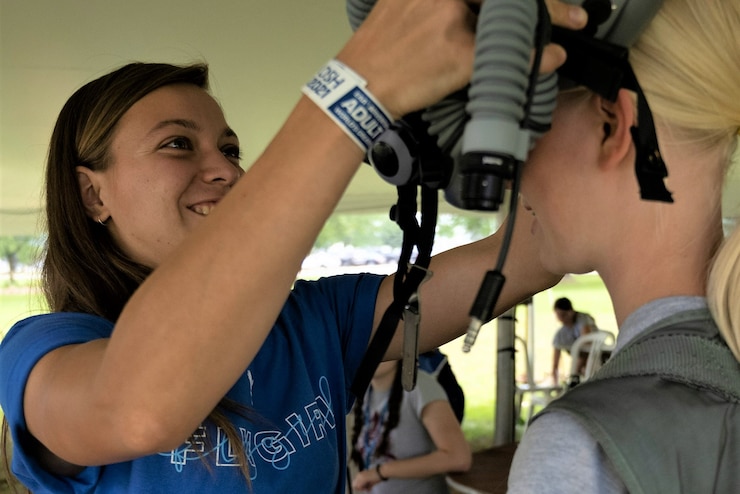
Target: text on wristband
{"x":342,"y":94}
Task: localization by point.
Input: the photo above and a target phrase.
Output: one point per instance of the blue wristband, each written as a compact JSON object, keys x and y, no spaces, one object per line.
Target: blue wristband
{"x":342,"y":95}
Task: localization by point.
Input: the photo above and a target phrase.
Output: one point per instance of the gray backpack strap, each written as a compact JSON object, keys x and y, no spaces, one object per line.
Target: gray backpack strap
{"x":684,"y":348}
{"x":678,"y":392}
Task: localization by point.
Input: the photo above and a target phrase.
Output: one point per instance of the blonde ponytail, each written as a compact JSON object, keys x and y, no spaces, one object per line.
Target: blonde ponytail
{"x":723,"y":289}
{"x":688,"y":64}
{"x":723,"y":292}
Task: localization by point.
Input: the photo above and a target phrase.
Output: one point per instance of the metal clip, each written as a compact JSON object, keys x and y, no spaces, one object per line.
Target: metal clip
{"x":411,"y":320}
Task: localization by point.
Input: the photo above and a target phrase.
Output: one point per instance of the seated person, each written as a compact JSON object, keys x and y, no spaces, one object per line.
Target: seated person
{"x":436,"y":363}
{"x":575,"y":324}
{"x":406,"y":441}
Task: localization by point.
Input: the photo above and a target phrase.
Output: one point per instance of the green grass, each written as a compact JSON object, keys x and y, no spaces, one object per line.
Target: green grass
{"x":18,"y":303}
{"x":476,"y":371}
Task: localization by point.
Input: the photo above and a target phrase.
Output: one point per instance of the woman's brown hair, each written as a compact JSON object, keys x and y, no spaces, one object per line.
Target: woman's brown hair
{"x":390,"y":422}
{"x":84,"y":270}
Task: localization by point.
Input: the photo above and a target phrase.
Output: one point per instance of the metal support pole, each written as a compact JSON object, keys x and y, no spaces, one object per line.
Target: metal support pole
{"x":503,"y":432}
{"x":530,"y":330}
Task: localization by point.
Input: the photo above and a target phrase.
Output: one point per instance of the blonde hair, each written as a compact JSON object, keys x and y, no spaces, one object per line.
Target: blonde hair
{"x":723,"y":291}
{"x":688,"y":64}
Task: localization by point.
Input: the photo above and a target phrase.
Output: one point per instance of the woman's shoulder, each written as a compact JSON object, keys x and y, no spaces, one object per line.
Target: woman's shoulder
{"x":340,"y":283}
{"x":58,"y":319}
{"x":566,"y":455}
{"x":32,"y":338}
{"x":427,"y":390}
{"x":65,"y":327}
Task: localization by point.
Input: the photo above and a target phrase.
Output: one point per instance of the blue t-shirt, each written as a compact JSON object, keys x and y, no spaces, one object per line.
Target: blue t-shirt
{"x":297,"y":385}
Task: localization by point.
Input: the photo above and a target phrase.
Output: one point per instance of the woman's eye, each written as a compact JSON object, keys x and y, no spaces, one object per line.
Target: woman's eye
{"x":232,"y":152}
{"x":179,"y":143}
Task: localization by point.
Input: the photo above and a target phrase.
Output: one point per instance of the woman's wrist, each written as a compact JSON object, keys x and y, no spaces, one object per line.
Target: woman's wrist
{"x":380,"y":474}
{"x":342,"y":94}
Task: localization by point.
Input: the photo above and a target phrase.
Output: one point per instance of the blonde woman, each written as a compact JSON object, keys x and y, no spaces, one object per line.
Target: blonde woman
{"x":661,"y":415}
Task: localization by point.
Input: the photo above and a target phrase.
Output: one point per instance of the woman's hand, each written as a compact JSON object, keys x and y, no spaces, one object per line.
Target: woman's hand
{"x":413,"y":53}
{"x":366,"y":479}
{"x":564,"y":15}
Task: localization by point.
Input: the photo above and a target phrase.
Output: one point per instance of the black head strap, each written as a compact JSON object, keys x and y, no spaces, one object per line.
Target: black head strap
{"x":604,"y":68}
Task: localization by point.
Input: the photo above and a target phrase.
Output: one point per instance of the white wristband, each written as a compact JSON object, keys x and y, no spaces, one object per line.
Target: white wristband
{"x":341,"y":93}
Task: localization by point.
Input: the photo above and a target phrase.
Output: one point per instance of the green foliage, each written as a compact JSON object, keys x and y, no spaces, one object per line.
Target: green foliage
{"x":370,"y":230}
{"x":23,"y":248}
{"x":360,"y":230}
{"x":470,"y":226}
{"x":18,"y":304}
{"x":478,"y":424}
{"x":17,"y":251}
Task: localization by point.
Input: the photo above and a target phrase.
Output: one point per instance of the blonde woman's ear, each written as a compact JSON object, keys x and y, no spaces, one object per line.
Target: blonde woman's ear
{"x":618,"y":118}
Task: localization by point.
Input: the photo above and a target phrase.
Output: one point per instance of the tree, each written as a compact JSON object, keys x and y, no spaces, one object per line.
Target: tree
{"x":17,"y":251}
{"x":369,"y":230}
{"x":360,"y":230}
{"x":472,"y":226}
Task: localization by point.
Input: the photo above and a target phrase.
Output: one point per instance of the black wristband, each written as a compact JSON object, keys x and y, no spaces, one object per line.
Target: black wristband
{"x":380,"y":475}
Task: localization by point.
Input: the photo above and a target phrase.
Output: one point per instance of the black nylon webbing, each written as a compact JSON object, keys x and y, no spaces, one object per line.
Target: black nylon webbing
{"x":408,"y":278}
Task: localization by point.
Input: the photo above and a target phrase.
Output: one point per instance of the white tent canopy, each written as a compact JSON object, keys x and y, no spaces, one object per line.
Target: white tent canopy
{"x":260,"y":55}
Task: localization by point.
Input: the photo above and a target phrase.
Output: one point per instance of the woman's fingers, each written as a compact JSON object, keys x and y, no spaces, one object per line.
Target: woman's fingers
{"x":566,"y":15}
{"x":413,"y":52}
{"x":552,"y":57}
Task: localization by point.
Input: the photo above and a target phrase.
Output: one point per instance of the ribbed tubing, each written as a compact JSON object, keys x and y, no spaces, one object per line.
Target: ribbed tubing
{"x":504,"y":43}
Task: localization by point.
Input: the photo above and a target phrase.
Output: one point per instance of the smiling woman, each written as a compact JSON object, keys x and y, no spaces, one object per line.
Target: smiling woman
{"x":152,"y":164}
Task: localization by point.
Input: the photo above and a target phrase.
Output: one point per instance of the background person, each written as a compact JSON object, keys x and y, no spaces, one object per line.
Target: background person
{"x":406,"y":441}
{"x":574,"y":325}
{"x":438,"y":365}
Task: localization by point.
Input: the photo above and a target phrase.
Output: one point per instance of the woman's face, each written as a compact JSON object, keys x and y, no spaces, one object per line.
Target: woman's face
{"x":173,"y":158}
{"x":559,"y":184}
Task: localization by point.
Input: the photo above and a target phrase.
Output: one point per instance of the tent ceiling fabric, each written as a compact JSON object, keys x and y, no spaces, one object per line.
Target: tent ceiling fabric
{"x":260,"y":55}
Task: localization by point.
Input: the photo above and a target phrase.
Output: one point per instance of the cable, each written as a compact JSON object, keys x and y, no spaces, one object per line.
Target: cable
{"x":493,"y":281}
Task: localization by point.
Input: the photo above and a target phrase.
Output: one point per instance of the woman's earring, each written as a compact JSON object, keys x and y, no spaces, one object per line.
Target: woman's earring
{"x":101,"y":221}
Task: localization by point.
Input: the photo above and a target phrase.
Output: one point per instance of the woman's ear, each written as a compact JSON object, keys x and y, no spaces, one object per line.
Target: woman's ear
{"x":618,"y":118}
{"x":90,"y":193}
